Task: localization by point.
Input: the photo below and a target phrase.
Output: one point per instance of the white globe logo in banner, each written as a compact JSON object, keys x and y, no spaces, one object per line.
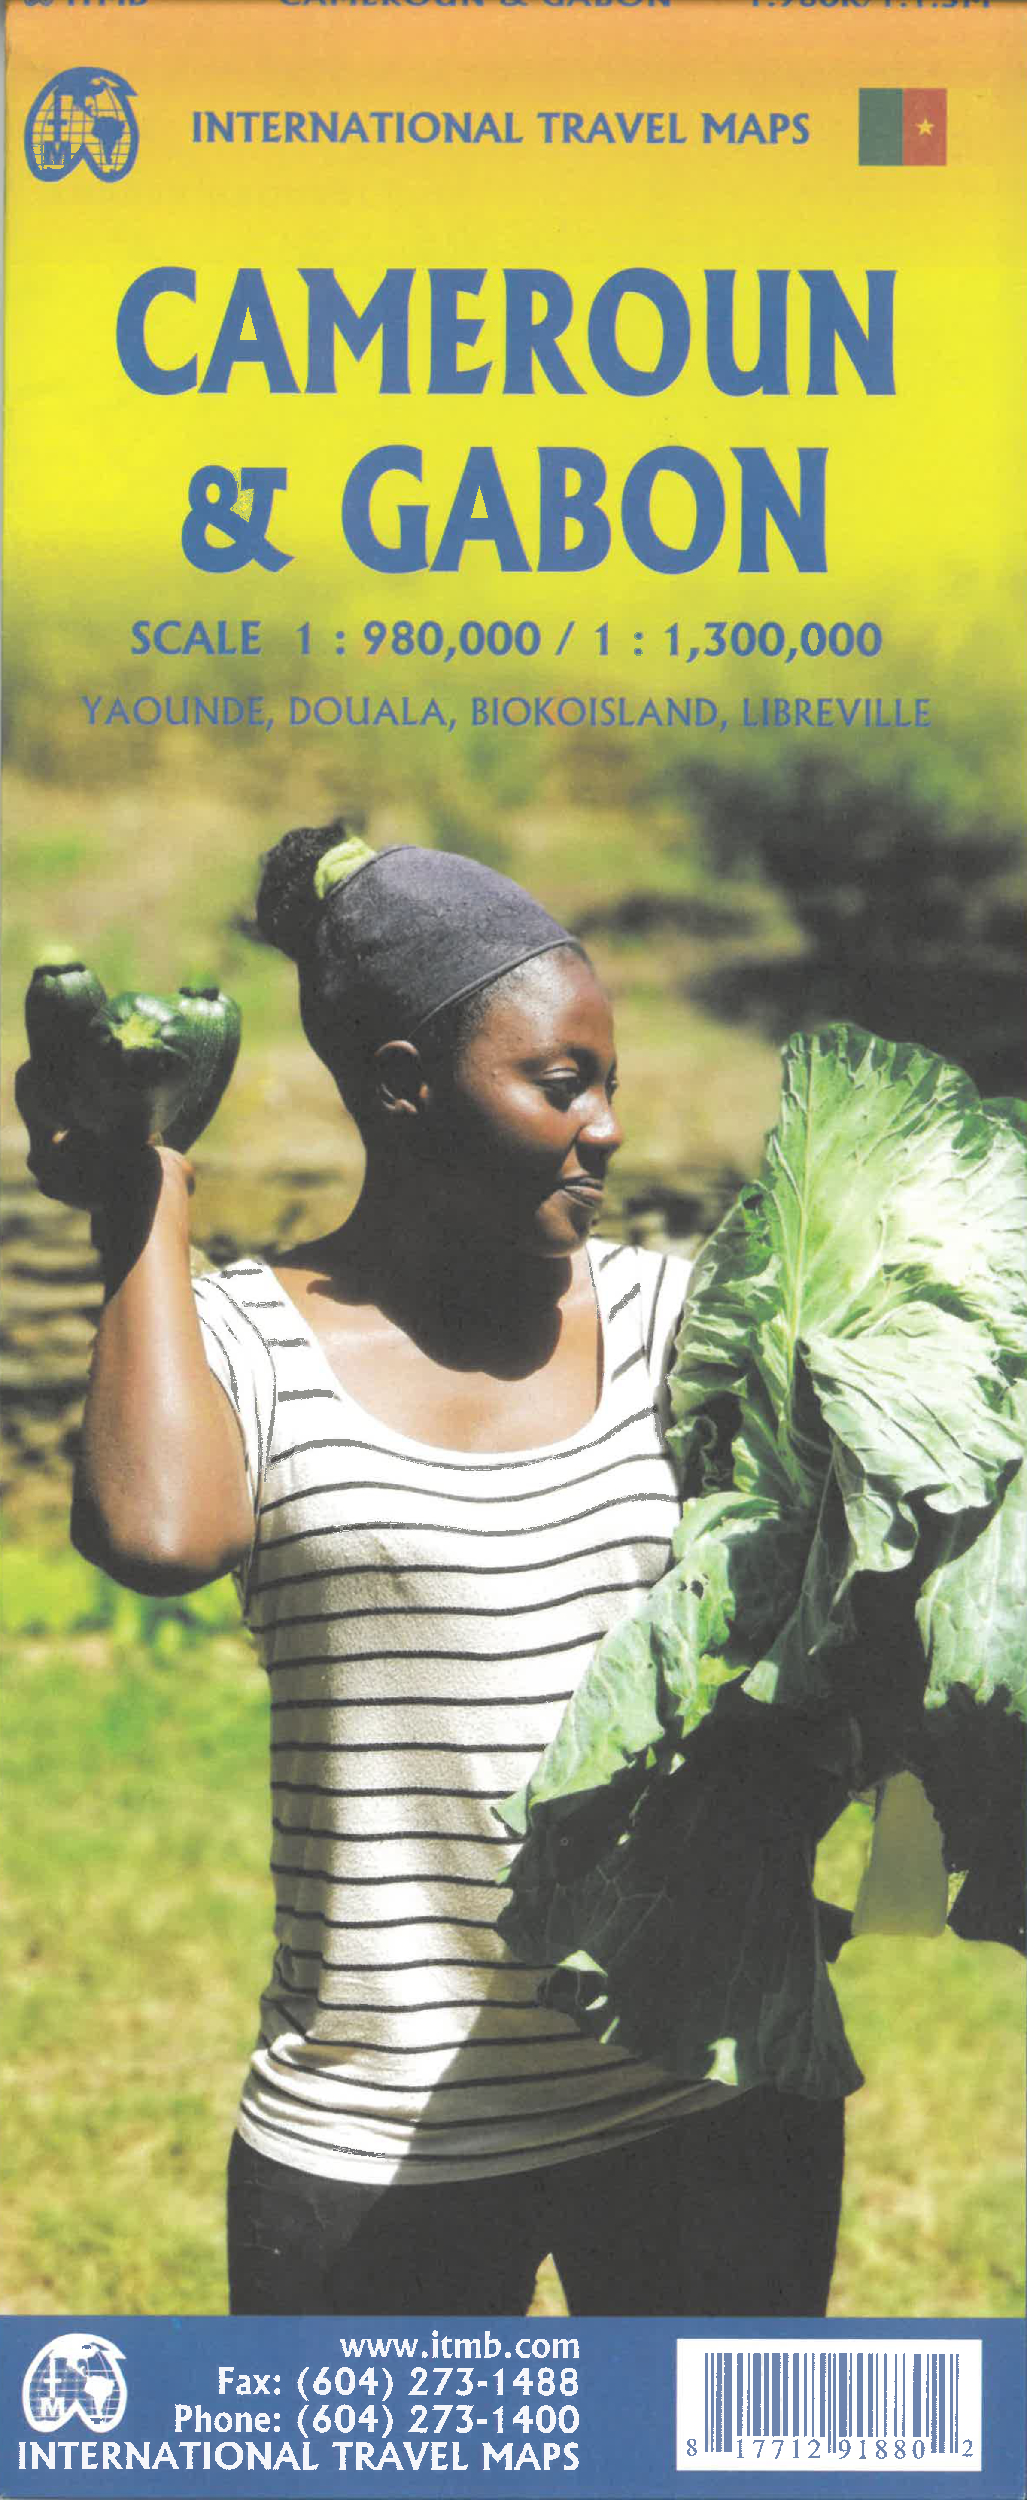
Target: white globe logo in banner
{"x":75,"y":2374}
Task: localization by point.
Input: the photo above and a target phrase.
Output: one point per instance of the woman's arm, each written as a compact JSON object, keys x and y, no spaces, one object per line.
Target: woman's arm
{"x":161,"y":1500}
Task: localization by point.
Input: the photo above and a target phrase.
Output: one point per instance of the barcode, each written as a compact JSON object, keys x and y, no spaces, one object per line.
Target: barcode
{"x":820,"y":2405}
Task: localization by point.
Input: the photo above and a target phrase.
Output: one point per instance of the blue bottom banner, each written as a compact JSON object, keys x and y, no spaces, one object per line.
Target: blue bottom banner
{"x":604,"y":2408}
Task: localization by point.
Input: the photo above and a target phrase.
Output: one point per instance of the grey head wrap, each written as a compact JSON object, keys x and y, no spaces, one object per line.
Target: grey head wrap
{"x":397,"y":935}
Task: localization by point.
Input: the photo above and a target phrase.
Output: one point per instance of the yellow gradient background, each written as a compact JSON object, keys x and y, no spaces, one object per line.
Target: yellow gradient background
{"x":925,"y":495}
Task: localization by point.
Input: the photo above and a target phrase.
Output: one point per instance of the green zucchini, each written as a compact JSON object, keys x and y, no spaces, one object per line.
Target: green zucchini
{"x":60,"y":1002}
{"x":134,"y":1066}
{"x":213,"y":1025}
{"x":132,"y":1069}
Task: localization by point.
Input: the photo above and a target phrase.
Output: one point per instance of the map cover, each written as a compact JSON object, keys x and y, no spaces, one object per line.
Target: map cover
{"x":584,"y":436}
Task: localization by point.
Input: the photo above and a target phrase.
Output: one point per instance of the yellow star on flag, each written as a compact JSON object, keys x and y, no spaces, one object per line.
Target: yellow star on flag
{"x":925,"y":129}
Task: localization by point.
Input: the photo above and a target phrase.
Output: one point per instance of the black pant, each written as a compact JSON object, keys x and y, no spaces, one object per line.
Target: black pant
{"x":731,"y":2212}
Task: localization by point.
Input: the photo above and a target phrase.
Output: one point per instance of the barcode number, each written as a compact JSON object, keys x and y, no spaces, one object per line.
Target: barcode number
{"x":817,"y":2405}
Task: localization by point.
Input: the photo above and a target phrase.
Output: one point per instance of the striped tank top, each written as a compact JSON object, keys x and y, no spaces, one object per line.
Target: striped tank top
{"x":423,"y":1617}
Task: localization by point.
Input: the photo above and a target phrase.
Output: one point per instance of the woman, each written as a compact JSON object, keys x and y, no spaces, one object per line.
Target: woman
{"x":429,"y":1445}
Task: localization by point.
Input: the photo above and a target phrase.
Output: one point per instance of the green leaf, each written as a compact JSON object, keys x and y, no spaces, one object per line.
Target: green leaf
{"x":682,"y":1924}
{"x":972,"y":1606}
{"x":656,"y":1675}
{"x":971,"y":1614}
{"x":848,"y":1581}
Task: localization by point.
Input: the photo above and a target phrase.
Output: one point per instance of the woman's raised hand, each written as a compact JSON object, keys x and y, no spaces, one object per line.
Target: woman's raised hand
{"x":105,"y":1175}
{"x":73,"y":1164}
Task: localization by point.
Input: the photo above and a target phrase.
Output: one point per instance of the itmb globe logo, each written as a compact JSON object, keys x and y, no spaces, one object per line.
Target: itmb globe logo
{"x":75,"y":2374}
{"x":82,"y":117}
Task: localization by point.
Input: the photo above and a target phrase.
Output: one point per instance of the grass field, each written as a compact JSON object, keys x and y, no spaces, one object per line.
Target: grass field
{"x":138,"y":1913}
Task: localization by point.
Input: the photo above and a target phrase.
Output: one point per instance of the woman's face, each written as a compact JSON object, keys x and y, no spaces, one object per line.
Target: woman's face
{"x":523,"y":1126}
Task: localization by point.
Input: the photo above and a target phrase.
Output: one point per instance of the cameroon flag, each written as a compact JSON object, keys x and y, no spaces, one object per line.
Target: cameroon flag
{"x":902,"y":125}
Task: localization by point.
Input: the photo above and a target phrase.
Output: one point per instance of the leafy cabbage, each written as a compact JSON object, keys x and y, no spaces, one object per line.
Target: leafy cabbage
{"x":847,"y":1594}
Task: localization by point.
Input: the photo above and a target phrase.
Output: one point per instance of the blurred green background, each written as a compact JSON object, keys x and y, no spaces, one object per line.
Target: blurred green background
{"x":728,"y":893}
{"x":730,"y":888}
